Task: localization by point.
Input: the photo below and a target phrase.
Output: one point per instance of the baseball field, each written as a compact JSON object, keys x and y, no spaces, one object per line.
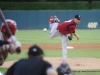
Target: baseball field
{"x":84,"y":58}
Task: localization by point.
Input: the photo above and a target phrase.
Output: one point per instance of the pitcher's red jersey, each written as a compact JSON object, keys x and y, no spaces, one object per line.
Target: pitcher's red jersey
{"x":51,"y":20}
{"x":67,"y":27}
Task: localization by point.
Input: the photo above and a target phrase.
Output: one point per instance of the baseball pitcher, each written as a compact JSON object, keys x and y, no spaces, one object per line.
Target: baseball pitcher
{"x":63,"y":29}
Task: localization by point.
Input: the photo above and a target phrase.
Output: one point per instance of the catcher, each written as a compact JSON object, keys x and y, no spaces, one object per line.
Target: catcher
{"x":8,"y":43}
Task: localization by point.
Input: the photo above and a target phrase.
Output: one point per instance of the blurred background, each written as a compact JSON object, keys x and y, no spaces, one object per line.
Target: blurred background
{"x":34,"y":14}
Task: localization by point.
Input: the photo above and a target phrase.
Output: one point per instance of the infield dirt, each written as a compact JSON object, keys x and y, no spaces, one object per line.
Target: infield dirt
{"x":75,"y":63}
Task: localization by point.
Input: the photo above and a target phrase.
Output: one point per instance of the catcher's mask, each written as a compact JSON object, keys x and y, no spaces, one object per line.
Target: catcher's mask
{"x":64,"y":69}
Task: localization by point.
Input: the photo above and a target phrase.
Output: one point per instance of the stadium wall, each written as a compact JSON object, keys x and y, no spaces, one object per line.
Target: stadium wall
{"x":39,"y":19}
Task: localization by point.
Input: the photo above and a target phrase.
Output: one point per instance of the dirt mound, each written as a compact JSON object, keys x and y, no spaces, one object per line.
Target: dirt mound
{"x":74,"y":63}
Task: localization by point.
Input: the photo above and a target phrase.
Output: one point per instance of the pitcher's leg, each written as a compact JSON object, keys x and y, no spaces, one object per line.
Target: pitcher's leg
{"x":54,"y":32}
{"x":64,"y":47}
{"x":54,"y":26}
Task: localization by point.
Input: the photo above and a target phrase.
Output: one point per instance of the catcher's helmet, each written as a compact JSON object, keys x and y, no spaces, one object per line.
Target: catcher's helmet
{"x":12,"y":26}
{"x":64,"y":69}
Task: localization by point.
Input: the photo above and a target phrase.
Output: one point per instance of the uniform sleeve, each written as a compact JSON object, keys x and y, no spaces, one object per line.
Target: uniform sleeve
{"x":17,"y":44}
{"x":49,"y":69}
{"x":46,"y":66}
{"x":10,"y":71}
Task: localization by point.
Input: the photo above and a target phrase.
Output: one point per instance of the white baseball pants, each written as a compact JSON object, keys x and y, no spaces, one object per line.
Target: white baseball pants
{"x":50,"y":26}
{"x":64,"y":39}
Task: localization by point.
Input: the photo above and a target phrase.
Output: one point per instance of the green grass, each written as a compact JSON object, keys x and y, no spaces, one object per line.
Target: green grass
{"x":38,"y":36}
{"x":84,"y":53}
{"x":3,"y":70}
{"x":74,"y":53}
{"x":58,"y":53}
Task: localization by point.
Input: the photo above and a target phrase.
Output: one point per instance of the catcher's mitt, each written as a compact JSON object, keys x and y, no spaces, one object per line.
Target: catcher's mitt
{"x":64,"y":69}
{"x":70,"y":38}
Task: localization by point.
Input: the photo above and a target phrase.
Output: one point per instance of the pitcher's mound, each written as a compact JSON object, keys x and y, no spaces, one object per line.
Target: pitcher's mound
{"x":74,"y":63}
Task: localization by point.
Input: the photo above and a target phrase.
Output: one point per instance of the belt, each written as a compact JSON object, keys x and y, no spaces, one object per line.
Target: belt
{"x":58,"y":29}
{"x":59,"y":32}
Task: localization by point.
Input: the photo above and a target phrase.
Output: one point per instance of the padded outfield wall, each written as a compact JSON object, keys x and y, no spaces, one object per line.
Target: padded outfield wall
{"x":39,"y":19}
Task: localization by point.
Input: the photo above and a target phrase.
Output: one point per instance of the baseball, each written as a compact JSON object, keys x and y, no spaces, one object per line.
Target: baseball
{"x":45,"y":29}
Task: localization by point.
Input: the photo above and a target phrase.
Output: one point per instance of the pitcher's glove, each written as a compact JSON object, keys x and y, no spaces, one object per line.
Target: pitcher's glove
{"x":70,"y":38}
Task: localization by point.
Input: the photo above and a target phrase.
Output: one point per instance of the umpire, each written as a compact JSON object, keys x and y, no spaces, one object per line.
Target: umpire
{"x":33,"y":65}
